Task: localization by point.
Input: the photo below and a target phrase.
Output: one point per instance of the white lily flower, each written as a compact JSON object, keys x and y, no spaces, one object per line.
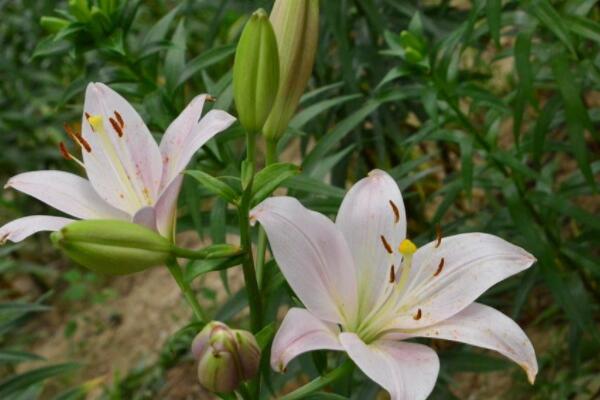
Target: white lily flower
{"x":367,"y":288}
{"x":130,"y":177}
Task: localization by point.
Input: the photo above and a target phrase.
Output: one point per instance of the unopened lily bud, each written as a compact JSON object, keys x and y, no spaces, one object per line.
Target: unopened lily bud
{"x":255,"y":72}
{"x":112,"y":247}
{"x":226,"y":357}
{"x":296,"y":25}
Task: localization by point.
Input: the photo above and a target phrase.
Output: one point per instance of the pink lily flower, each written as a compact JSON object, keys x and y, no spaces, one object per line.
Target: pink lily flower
{"x":130,"y":177}
{"x":367,"y":288}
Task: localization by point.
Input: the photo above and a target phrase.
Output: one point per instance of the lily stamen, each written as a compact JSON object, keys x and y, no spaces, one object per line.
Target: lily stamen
{"x":396,"y":212}
{"x":119,"y":119}
{"x":116,"y":126}
{"x":440,"y":267}
{"x":438,"y":235}
{"x":392,"y":274}
{"x":68,"y":156}
{"x":418,"y":315}
{"x":387,"y":246}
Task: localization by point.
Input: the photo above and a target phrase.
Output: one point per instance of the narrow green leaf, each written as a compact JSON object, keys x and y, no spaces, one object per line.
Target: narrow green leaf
{"x":159,"y":30}
{"x":265,"y":335}
{"x":15,"y":383}
{"x":309,"y":113}
{"x":576,"y":114}
{"x":522,"y":53}
{"x":335,"y":136}
{"x":548,"y":16}
{"x":15,"y":357}
{"x":216,"y":186}
{"x":584,"y":27}
{"x":22,"y":307}
{"x":494,"y":9}
{"x":269,"y":179}
{"x":542,"y":126}
{"x":200,"y":267}
{"x":313,"y":186}
{"x":466,"y":159}
{"x":175,"y":57}
{"x":205,"y":60}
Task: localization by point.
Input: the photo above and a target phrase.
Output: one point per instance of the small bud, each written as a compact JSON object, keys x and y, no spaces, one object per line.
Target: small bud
{"x":255,"y":72}
{"x":53,"y":24}
{"x":112,"y":247}
{"x":296,"y":25}
{"x":226,"y":357}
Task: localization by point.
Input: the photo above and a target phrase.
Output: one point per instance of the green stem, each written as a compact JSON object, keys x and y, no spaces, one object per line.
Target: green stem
{"x":209,"y":253}
{"x":254,"y":299}
{"x":261,"y":250}
{"x":187,"y":291}
{"x":320,"y":382}
{"x":271,"y":158}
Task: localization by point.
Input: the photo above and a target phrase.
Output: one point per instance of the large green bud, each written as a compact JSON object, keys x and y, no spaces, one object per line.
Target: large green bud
{"x":226,"y":357}
{"x":112,"y":247}
{"x":255,"y":72}
{"x":296,"y":25}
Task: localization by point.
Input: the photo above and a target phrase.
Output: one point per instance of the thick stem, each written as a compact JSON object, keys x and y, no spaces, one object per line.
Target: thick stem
{"x":261,"y":250}
{"x":189,"y":295}
{"x":320,"y":382}
{"x":254,"y":299}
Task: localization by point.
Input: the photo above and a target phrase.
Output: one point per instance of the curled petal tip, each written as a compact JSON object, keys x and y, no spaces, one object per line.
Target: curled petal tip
{"x":376,"y":173}
{"x":8,"y":184}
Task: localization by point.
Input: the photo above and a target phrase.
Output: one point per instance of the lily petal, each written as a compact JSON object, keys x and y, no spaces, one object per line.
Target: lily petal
{"x":373,"y":220}
{"x":124,"y":164}
{"x":166,"y":208}
{"x":187,"y":134}
{"x":472,"y":263}
{"x":66,"y":192}
{"x":22,"y":228}
{"x":408,"y":371}
{"x":313,"y":256}
{"x":483,"y":326}
{"x":299,"y":333}
{"x":146,"y":216}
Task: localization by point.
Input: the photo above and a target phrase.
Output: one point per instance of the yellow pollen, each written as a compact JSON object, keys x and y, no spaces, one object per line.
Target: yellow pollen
{"x":96,"y":122}
{"x":407,"y":248}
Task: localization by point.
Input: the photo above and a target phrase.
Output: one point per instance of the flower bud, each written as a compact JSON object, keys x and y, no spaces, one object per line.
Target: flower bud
{"x":296,"y":25}
{"x":255,"y":72}
{"x":226,"y":357}
{"x":112,"y":247}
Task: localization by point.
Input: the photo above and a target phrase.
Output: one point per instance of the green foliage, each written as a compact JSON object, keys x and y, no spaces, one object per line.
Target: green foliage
{"x":487,"y":114}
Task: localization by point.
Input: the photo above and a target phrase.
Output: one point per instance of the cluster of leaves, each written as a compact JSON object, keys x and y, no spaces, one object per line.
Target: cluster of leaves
{"x":486,"y":113}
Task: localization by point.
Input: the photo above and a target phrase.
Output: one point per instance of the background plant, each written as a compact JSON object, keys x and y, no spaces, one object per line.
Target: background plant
{"x":486,"y":112}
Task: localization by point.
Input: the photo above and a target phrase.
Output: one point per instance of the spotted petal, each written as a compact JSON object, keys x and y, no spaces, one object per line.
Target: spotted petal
{"x":373,"y":221}
{"x":124,"y":164}
{"x":313,"y":256}
{"x":407,"y":371}
{"x":483,"y":326}
{"x":472,"y":263}
{"x":299,"y":333}
{"x":187,"y":134}
{"x":66,"y":192}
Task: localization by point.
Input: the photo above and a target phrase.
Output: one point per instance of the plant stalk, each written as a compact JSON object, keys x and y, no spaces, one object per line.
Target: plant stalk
{"x":187,"y":291}
{"x":320,"y":382}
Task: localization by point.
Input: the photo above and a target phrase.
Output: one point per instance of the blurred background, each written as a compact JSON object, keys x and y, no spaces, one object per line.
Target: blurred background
{"x":486,"y":112}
